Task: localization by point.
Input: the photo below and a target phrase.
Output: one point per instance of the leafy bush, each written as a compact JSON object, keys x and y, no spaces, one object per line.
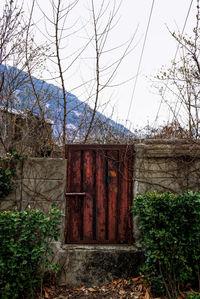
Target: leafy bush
{"x":170,"y":226}
{"x":193,"y":295}
{"x":7,"y":171}
{"x":25,"y":237}
{"x":6,"y":184}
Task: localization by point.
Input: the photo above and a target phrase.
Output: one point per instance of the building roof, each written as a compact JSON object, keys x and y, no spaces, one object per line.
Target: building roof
{"x":22,"y":113}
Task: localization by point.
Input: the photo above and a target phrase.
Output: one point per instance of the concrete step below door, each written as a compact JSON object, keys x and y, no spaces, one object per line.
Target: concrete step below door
{"x":95,"y":265}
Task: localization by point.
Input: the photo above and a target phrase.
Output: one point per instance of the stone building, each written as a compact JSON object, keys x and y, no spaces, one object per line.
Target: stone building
{"x":27,"y":133}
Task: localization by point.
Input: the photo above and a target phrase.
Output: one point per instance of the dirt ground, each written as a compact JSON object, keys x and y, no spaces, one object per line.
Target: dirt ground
{"x":118,"y":289}
{"x":132,"y":288}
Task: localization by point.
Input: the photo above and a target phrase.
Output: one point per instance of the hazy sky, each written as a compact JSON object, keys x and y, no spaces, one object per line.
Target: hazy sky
{"x":159,"y":50}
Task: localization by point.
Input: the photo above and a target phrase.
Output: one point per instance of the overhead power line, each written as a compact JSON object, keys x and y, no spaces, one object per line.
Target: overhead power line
{"x":140,"y":60}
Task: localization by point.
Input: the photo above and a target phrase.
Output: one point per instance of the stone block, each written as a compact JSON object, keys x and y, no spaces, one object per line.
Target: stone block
{"x":45,"y":168}
{"x":153,"y":150}
{"x":6,"y":205}
{"x":44,"y":190}
{"x":95,"y":265}
{"x":43,"y":206}
{"x":159,"y":165}
{"x":167,"y":148}
{"x":193,"y":182}
{"x":176,"y":168}
{"x":162,"y":185}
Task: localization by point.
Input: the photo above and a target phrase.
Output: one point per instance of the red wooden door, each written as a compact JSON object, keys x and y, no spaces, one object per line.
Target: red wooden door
{"x":99,"y":194}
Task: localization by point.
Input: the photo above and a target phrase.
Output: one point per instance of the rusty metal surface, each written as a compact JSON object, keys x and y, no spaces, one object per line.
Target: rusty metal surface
{"x":99,"y":194}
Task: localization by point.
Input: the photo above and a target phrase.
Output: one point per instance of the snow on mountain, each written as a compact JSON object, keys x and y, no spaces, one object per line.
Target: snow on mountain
{"x":18,"y":92}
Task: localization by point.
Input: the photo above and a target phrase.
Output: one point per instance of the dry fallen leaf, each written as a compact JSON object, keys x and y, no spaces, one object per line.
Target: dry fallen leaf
{"x":91,"y":290}
{"x":147,"y":296}
{"x":81,"y":288}
{"x":122,"y":292}
{"x":120,"y":288}
{"x":136,"y":278}
{"x":46,"y":295}
{"x":62,"y":284}
{"x":140,"y":287}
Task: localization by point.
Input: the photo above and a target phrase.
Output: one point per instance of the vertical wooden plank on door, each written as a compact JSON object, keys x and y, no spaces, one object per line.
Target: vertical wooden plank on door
{"x":89,"y":189}
{"x":130,"y":154}
{"x":101,"y":207}
{"x":123,"y":198}
{"x":112,"y":194}
{"x":74,"y":203}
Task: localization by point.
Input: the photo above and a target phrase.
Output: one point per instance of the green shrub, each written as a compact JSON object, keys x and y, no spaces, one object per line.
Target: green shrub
{"x":6,"y":184}
{"x":7,"y":172}
{"x":170,"y":226}
{"x":24,"y":247}
{"x":193,"y":295}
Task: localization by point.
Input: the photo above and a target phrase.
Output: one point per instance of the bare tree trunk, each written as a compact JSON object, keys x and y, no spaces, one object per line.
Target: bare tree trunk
{"x":97,"y":73}
{"x":61,"y":78}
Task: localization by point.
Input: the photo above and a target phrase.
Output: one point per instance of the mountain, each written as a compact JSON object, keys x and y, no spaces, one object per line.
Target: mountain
{"x":19,"y":90}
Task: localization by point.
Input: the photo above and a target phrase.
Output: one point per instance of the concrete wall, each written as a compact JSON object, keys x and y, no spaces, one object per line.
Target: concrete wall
{"x":40,"y":182}
{"x":166,"y":166}
{"x":160,"y":165}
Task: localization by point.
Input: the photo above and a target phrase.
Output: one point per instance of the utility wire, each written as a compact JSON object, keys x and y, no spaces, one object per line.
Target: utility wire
{"x":186,"y":19}
{"x":140,"y":61}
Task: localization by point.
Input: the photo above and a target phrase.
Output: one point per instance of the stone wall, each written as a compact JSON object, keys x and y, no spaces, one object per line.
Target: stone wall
{"x":27,"y":133}
{"x":166,"y":166}
{"x":161,"y":165}
{"x":40,"y":182}
{"x":158,"y":165}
